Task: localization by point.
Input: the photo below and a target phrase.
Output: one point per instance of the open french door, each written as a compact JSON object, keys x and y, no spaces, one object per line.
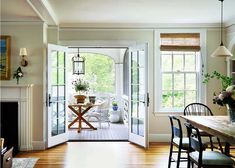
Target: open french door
{"x":56,"y":95}
{"x":138,"y":95}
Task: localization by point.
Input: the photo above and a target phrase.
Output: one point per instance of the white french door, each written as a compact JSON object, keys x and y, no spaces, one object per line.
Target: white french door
{"x":138,"y":95}
{"x":56,"y":95}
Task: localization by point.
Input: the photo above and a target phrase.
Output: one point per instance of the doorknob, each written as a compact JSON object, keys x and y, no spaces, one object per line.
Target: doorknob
{"x":49,"y":100}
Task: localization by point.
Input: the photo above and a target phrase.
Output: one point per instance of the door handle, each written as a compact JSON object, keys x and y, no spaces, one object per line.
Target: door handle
{"x":148,"y":99}
{"x":49,"y":100}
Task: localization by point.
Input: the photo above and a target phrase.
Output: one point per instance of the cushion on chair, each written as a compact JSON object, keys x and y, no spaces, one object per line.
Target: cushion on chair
{"x":212,"y":158}
{"x":185,"y":142}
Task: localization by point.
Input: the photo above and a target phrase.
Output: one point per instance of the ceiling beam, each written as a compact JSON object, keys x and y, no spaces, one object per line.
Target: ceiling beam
{"x":44,"y":11}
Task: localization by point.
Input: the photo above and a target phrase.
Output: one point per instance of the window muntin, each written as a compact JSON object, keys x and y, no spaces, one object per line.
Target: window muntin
{"x":179,"y":74}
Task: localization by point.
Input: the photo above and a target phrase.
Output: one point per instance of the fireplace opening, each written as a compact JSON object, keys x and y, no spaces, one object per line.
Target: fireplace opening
{"x":9,"y":125}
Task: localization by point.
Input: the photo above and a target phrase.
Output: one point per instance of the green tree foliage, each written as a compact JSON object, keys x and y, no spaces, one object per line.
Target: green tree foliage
{"x":100,"y":72}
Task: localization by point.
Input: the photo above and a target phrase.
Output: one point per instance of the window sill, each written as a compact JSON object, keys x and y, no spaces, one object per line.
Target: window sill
{"x":167,"y":113}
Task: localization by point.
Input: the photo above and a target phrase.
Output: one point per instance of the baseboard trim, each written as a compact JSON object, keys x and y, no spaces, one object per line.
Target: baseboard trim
{"x":39,"y":145}
{"x":159,"y":137}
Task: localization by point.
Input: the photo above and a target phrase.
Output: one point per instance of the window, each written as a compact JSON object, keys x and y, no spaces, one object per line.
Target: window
{"x":180,"y":60}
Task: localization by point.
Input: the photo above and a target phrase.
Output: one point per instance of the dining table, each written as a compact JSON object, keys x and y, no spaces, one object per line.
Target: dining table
{"x":80,"y":110}
{"x":219,"y":126}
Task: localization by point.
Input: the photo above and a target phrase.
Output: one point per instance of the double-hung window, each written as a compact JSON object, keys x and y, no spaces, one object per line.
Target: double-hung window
{"x":180,"y":71}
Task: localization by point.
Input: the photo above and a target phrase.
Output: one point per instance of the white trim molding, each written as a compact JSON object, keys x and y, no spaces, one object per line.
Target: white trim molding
{"x":159,"y":137}
{"x":23,"y":94}
{"x":39,"y":145}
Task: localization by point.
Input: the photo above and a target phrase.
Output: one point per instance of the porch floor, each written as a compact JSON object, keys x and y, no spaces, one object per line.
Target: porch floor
{"x":116,"y":131}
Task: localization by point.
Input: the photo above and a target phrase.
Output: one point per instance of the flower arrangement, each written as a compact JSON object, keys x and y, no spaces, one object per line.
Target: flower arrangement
{"x":18,"y":74}
{"x":80,"y":85}
{"x":226,"y":97}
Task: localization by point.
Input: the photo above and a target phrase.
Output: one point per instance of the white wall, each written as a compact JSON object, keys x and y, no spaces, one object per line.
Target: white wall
{"x":30,"y":36}
{"x":158,"y":124}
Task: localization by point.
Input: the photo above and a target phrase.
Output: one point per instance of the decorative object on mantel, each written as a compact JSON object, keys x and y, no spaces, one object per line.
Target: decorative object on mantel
{"x":225,"y":80}
{"x":227,"y":98}
{"x":18,"y":74}
{"x":23,"y":53}
{"x":5,"y":52}
{"x":78,"y":64}
{"x":80,"y":86}
{"x":221,"y":51}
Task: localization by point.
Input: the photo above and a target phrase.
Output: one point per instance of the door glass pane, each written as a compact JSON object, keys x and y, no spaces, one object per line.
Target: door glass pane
{"x":54,"y":76}
{"x":141,"y":58}
{"x":61,"y":93}
{"x":61,"y":124}
{"x":61,"y":76}
{"x":137,"y":92}
{"x":134,"y":125}
{"x":54,"y":119}
{"x":61,"y":59}
{"x":58,"y":93}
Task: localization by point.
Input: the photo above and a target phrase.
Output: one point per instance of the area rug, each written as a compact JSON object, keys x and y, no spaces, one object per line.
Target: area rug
{"x":24,"y":162}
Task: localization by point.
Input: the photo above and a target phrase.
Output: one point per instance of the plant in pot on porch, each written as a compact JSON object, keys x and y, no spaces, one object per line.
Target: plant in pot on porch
{"x":80,"y":86}
{"x":114,"y":105}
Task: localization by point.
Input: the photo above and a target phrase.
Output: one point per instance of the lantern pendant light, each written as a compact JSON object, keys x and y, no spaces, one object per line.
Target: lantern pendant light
{"x":221,"y":51}
{"x":78,"y":64}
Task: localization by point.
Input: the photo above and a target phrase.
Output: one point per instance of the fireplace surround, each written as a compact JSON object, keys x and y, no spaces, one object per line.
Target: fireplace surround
{"x":23,"y":94}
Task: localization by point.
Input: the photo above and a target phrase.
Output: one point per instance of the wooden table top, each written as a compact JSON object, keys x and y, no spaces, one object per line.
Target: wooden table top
{"x":215,"y":125}
{"x":86,"y":104}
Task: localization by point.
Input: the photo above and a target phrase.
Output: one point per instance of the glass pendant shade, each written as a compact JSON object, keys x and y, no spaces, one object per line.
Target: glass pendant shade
{"x":78,"y":65}
{"x":221,"y":51}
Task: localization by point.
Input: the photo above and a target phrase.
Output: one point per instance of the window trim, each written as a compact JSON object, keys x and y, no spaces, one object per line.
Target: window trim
{"x":157,"y":68}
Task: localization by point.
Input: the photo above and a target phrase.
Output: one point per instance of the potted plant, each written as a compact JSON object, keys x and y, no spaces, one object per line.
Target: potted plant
{"x":80,"y":86}
{"x":114,"y":105}
{"x":18,"y":74}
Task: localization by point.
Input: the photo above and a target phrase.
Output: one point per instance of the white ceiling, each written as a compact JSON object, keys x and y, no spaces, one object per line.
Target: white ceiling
{"x":17,"y":10}
{"x":74,"y":12}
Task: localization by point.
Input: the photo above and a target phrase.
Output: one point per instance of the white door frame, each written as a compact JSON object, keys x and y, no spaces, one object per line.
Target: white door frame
{"x":83,"y":43}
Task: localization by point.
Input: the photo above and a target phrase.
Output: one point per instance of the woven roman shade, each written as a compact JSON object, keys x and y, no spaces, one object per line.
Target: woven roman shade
{"x":180,"y":42}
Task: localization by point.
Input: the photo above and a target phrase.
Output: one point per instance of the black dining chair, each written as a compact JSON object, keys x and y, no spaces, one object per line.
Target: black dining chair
{"x":205,"y":159}
{"x":199,"y":109}
{"x":178,"y":141}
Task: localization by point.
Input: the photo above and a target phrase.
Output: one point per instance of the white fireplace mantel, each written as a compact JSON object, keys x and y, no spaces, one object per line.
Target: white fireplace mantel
{"x":23,"y":94}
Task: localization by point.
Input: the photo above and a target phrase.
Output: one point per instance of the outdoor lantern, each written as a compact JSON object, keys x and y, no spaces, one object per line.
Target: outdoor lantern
{"x":78,"y":64}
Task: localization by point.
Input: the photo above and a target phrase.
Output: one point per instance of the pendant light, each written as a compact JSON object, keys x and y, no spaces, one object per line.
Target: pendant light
{"x":221,"y":51}
{"x":78,"y":64}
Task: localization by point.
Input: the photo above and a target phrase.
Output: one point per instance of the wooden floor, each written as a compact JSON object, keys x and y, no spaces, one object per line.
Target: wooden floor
{"x":102,"y":155}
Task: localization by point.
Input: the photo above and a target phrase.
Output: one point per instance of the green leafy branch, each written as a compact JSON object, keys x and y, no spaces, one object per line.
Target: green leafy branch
{"x":225,"y":80}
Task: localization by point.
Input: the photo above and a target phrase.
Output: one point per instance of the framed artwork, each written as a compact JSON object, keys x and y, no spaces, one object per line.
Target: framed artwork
{"x":5,"y":51}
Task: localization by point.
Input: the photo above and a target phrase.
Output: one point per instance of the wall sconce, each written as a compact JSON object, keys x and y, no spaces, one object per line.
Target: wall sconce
{"x":23,"y":53}
{"x":78,"y":64}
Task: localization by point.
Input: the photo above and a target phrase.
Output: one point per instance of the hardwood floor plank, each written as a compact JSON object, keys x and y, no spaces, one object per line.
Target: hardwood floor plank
{"x":102,"y":155}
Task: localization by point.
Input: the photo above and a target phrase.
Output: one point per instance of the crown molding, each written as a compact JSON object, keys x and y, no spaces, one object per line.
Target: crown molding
{"x":44,"y":11}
